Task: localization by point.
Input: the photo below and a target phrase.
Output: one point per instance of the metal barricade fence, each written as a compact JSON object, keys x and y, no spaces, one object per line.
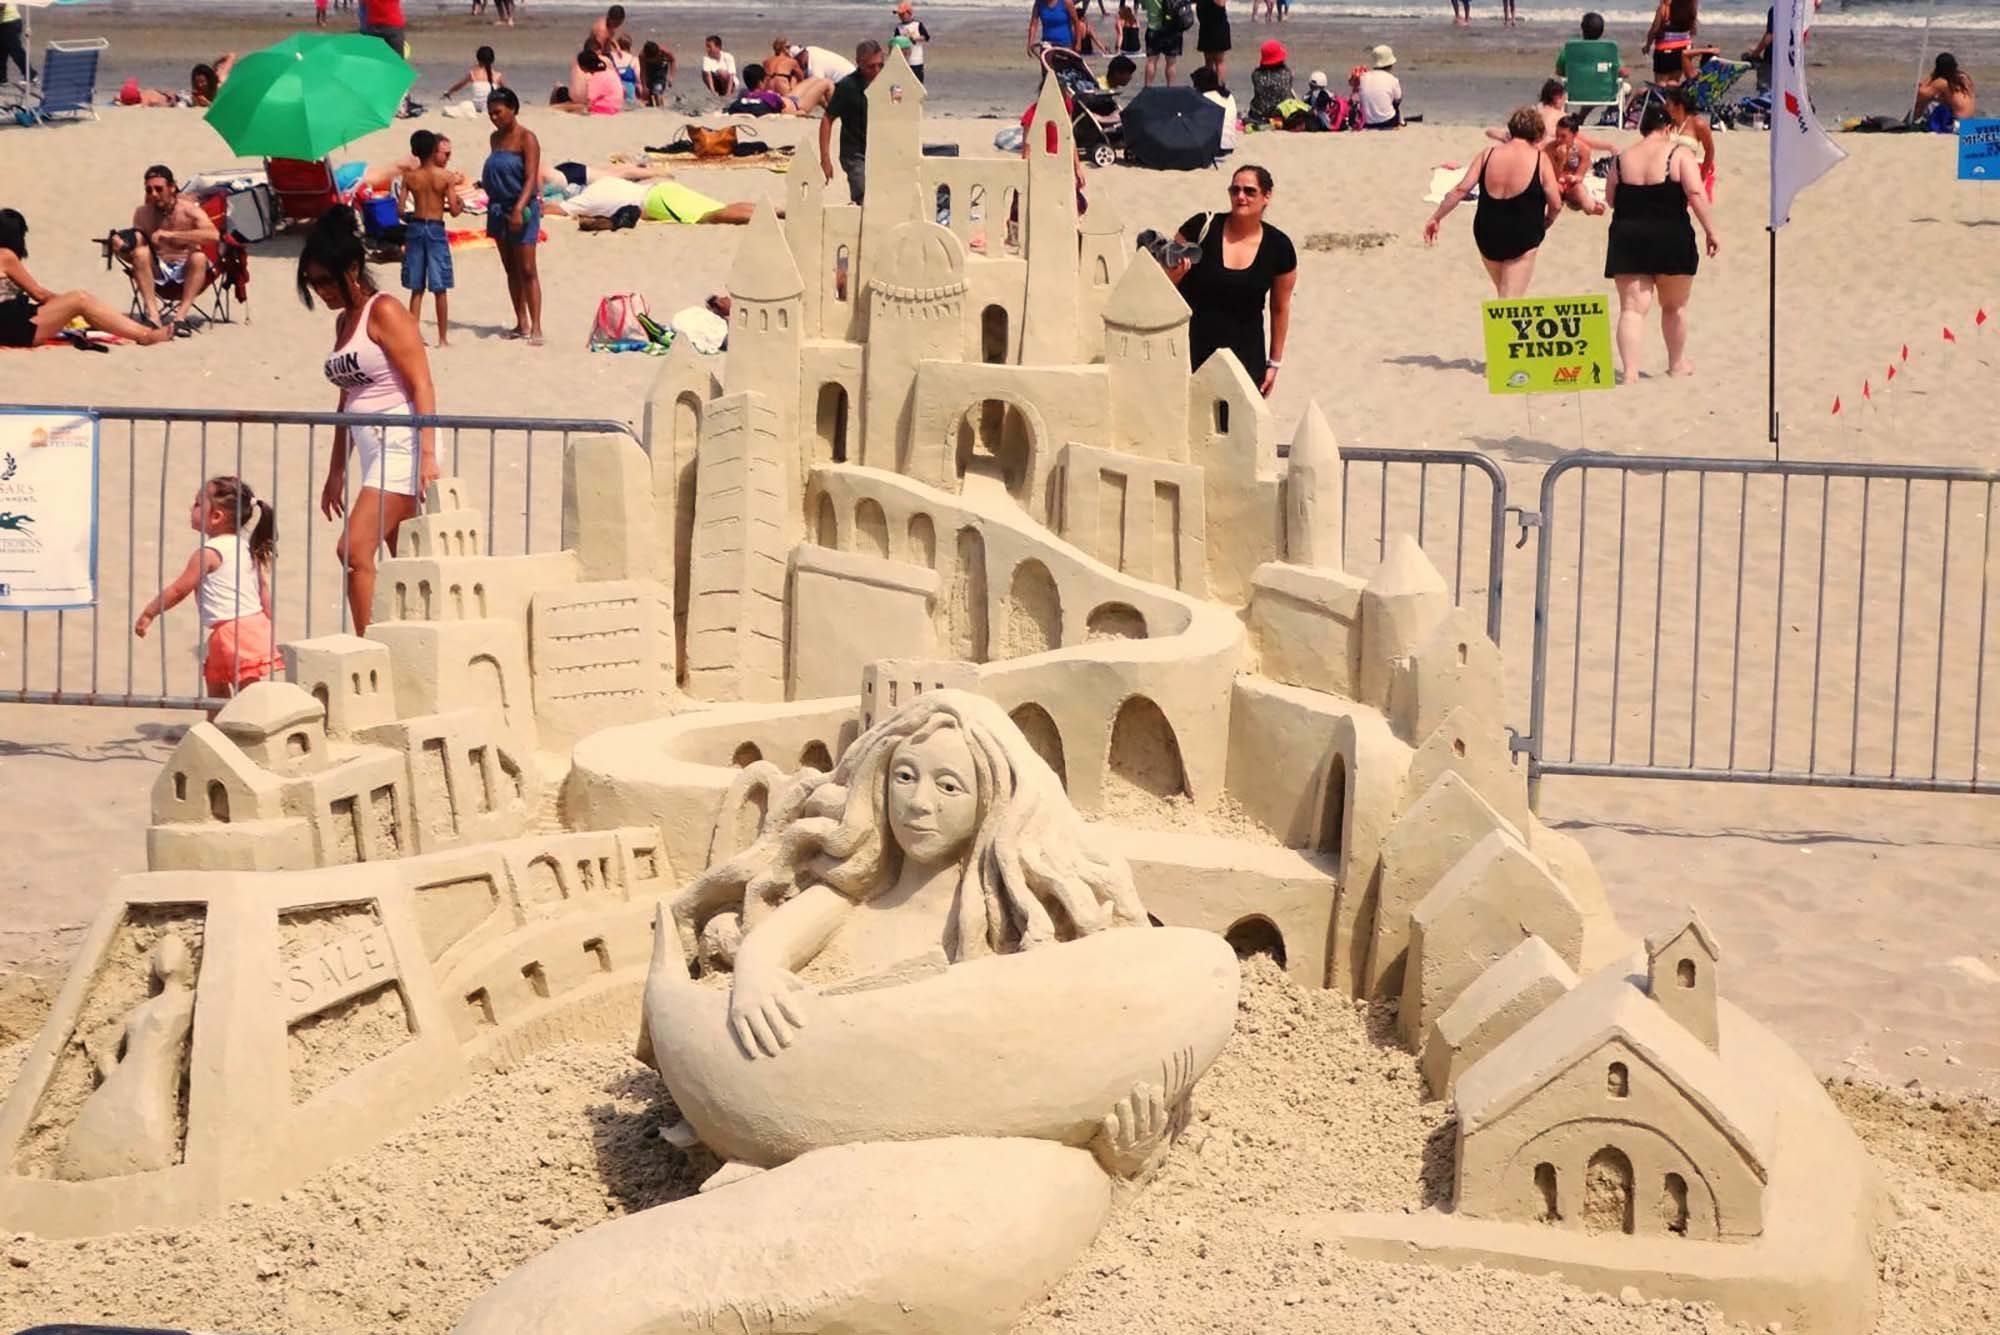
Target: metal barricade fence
{"x":1764,"y":622}
{"x":1453,"y":502}
{"x":150,"y":463}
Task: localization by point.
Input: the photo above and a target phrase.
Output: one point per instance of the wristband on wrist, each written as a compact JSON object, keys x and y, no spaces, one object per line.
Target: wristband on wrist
{"x":1273,"y":363}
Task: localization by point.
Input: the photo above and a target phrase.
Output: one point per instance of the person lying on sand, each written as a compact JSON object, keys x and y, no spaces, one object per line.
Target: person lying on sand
{"x":656,"y":200}
{"x":31,"y":315}
{"x":759,"y":98}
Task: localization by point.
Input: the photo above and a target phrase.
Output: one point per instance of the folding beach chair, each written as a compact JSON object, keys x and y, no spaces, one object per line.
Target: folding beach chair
{"x":69,"y":80}
{"x":302,"y":190}
{"x":228,"y":269}
{"x":1590,"y":70}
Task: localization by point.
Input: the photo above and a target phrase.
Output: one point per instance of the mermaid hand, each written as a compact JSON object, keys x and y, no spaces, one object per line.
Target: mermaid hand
{"x":1134,"y":1136}
{"x":766,"y":1009}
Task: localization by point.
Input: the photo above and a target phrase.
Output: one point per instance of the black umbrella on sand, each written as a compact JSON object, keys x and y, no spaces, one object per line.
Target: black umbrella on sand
{"x":1173,"y":129}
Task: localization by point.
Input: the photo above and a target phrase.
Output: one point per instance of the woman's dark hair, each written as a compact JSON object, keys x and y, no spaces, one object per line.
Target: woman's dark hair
{"x":202,"y":75}
{"x":1527,"y":125}
{"x":505,"y":97}
{"x":1684,"y":98}
{"x":1203,"y":80}
{"x":1551,"y":90}
{"x":1656,"y":118}
{"x":588,"y":61}
{"x":14,"y":232}
{"x":232,"y":495}
{"x":1263,"y":175}
{"x":483,"y":58}
{"x":1946,"y":68}
{"x":334,"y":245}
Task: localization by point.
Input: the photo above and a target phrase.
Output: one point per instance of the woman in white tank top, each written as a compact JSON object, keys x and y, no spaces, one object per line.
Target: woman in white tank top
{"x":379,"y":365}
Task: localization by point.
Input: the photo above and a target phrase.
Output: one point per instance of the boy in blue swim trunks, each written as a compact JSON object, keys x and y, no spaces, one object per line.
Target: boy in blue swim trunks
{"x":431,"y":187}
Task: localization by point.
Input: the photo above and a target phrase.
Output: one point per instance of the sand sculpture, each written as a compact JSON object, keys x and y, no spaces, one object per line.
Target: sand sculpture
{"x":952,"y":505}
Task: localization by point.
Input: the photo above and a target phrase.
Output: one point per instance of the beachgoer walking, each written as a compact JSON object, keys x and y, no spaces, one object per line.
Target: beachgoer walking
{"x":849,"y":106}
{"x":480,"y":80}
{"x":511,"y":179}
{"x":1947,"y":97}
{"x":1163,"y":39}
{"x":1461,"y":13}
{"x":1651,"y":188}
{"x":1212,"y":36}
{"x":229,"y":575}
{"x":379,"y":365}
{"x":384,"y":19}
{"x":13,"y":42}
{"x":1244,"y":262}
{"x":1380,"y":92}
{"x":1518,"y":199}
{"x":1053,"y":23}
{"x":31,"y":315}
{"x":432,"y":188}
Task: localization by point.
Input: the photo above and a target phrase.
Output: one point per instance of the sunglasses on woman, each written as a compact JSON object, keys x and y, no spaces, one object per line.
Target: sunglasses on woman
{"x":1235,"y":190}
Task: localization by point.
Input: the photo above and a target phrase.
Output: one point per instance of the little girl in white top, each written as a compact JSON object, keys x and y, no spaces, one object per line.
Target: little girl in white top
{"x":229,"y":575}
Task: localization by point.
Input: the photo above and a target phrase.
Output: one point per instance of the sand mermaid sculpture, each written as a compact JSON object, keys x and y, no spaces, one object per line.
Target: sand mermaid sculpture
{"x":948,"y":1031}
{"x":127,"y":1125}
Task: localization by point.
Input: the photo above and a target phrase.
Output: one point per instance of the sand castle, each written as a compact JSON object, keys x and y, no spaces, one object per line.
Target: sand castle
{"x":863,"y":753}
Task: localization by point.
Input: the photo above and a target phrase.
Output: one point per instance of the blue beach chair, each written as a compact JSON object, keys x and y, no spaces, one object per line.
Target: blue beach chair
{"x":69,"y":80}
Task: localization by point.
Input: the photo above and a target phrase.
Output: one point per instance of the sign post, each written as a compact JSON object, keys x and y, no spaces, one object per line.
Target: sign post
{"x":1548,"y":345}
{"x":1979,"y":150}
{"x":48,"y":510}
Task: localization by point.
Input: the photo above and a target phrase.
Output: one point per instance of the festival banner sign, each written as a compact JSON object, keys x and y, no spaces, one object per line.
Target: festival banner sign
{"x":1979,"y":150}
{"x":1548,"y":345}
{"x":48,"y":510}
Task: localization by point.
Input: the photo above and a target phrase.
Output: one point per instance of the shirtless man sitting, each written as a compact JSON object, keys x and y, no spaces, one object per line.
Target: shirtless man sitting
{"x":164,"y":243}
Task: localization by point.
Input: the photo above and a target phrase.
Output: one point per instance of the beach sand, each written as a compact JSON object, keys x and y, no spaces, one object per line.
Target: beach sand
{"x":1860,"y":925}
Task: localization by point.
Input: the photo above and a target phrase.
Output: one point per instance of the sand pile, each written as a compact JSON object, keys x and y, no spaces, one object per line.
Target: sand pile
{"x":1310,"y":1110}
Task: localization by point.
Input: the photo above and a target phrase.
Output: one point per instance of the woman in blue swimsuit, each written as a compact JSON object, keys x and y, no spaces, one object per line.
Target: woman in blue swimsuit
{"x":512,"y":178}
{"x":1053,"y":23}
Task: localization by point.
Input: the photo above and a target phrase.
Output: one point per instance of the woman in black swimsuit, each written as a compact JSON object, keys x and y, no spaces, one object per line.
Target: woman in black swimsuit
{"x":1508,"y":229}
{"x":1651,"y":187}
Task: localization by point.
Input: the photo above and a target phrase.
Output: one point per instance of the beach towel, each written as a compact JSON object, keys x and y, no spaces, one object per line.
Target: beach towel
{"x":466,"y":239}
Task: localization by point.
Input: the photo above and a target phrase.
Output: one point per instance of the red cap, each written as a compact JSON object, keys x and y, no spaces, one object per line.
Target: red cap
{"x":1271,"y":53}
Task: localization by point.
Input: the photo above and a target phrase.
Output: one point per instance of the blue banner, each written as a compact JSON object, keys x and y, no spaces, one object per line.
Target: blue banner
{"x":1979,"y":150}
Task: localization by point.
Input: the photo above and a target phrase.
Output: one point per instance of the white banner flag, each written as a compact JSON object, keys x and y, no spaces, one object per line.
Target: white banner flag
{"x":48,"y":510}
{"x":1801,"y":151}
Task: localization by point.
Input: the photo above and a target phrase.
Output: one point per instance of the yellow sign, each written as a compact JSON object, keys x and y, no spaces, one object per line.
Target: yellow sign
{"x":1548,"y":345}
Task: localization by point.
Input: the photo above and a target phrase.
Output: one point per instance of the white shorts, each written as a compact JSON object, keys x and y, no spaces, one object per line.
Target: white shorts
{"x":388,"y":459}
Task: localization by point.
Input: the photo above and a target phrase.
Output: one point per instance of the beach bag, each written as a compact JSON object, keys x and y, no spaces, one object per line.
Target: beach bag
{"x":712,"y":143}
{"x":251,"y":213}
{"x":1179,"y":15}
{"x":618,"y":321}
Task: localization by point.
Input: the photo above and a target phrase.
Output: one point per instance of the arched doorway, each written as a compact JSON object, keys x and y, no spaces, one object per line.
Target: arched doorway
{"x":830,"y":424}
{"x":996,"y":442}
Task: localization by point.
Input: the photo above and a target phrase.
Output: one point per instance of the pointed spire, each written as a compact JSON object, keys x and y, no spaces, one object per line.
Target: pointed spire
{"x":1313,"y":494}
{"x":764,"y":268}
{"x":1145,"y":299}
{"x":1050,"y":106}
{"x":1405,"y":570}
{"x":897,"y":83}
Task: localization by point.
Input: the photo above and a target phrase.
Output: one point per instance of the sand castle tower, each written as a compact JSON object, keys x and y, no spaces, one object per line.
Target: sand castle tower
{"x":1146,"y":350}
{"x":767,"y":319}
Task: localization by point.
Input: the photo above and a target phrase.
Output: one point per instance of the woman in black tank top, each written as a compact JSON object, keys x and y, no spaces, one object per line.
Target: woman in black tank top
{"x":1651,"y":247}
{"x":1509,"y":230}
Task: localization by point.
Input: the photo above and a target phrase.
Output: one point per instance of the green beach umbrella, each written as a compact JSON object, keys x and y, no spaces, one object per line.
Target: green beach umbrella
{"x":310,"y":94}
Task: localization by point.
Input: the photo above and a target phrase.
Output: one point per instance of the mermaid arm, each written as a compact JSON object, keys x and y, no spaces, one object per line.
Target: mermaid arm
{"x":766,"y":998}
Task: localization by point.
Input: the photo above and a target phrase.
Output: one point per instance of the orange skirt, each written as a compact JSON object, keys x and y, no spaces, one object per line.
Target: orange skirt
{"x":239,"y":652}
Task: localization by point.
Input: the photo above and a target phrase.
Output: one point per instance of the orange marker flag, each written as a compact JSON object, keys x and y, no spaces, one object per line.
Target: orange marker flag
{"x":1906,"y":352}
{"x":1949,"y":337}
{"x":1980,"y":318}
{"x":1867,"y":392}
{"x":1892,"y":371}
{"x":1836,"y":405}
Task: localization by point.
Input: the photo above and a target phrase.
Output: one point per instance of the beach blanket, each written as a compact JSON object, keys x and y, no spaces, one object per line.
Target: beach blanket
{"x":1444,"y":177}
{"x":465,"y":238}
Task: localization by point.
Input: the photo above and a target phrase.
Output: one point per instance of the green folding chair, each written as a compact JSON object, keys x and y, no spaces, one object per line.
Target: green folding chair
{"x":1591,"y":70}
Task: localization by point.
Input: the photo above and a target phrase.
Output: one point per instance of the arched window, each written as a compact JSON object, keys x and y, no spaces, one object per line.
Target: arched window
{"x":1684,"y":973}
{"x":1617,"y":1081}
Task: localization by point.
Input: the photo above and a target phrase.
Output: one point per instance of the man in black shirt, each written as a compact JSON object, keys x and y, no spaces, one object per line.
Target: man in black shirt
{"x":849,"y":106}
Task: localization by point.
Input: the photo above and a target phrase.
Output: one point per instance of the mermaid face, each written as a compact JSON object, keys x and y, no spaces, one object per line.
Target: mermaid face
{"x":933,"y":802}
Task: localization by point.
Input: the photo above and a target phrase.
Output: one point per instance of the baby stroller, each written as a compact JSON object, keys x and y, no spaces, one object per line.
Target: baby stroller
{"x":1093,"y":113}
